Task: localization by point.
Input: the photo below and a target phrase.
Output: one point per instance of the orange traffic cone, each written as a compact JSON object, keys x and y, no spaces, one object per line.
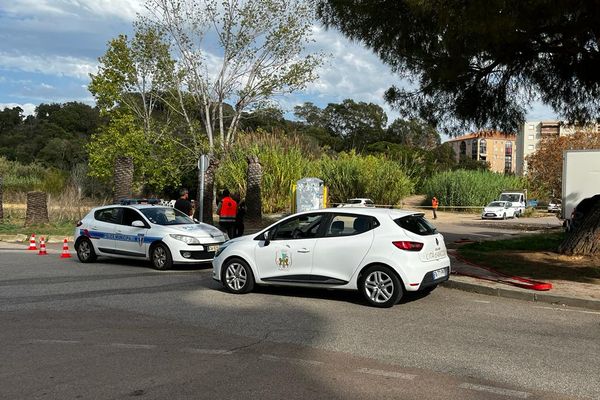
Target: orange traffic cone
{"x":32,"y":245}
{"x":42,"y":247}
{"x":65,"y":252}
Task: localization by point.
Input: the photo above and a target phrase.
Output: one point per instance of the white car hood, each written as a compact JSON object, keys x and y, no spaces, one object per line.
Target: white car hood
{"x":198,"y":230}
{"x":493,"y":209}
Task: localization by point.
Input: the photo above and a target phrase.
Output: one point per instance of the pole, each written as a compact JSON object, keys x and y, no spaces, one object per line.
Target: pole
{"x":201,"y":170}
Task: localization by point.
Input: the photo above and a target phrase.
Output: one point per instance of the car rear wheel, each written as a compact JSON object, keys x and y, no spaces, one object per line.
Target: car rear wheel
{"x":160,"y":256}
{"x":380,"y":286}
{"x":237,"y":276}
{"x":85,"y":250}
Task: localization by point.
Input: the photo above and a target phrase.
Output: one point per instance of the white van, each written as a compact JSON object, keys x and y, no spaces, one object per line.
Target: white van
{"x":518,"y":200}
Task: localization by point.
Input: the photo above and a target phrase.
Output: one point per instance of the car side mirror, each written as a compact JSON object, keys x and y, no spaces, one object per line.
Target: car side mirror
{"x":138,"y":224}
{"x":267,"y":238}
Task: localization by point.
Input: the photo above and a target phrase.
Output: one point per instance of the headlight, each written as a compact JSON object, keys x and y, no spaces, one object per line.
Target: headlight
{"x":186,"y":239}
{"x":220,"y":249}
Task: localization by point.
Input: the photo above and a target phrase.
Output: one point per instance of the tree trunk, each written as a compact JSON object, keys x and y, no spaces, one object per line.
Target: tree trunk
{"x":1,"y":208}
{"x":209,"y":189}
{"x":123,"y":178}
{"x":253,"y":186}
{"x":37,"y":208}
{"x":584,"y":240}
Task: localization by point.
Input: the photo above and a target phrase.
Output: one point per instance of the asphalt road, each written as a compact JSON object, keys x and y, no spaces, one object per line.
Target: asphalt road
{"x":113,"y":330}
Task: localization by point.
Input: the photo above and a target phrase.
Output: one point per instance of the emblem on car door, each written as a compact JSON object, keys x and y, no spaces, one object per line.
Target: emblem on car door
{"x":283,"y":259}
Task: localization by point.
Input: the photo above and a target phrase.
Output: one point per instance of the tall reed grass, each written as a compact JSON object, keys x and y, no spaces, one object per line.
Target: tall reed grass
{"x":469,"y":188}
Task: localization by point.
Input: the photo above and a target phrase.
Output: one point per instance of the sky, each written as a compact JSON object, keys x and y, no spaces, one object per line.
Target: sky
{"x":48,"y":48}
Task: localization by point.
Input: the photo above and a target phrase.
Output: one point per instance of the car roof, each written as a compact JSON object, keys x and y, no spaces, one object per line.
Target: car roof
{"x":136,"y":206}
{"x":391,"y":212}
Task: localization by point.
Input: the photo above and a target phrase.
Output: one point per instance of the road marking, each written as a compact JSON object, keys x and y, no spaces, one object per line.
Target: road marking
{"x":129,"y":346}
{"x":495,"y":390}
{"x":206,"y":351}
{"x":566,"y":309}
{"x":57,"y":341}
{"x":290,"y":360}
{"x":389,"y":374}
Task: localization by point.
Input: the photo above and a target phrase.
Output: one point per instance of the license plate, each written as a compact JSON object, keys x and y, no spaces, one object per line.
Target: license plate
{"x":439,"y":273}
{"x":214,"y":247}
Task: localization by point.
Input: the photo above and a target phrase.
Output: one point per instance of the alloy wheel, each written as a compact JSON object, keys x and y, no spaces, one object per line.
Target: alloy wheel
{"x":236,"y":276}
{"x":379,"y":287}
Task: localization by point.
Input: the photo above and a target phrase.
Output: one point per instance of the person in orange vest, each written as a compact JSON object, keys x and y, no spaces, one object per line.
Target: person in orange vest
{"x":227,"y":211}
{"x":434,"y":206}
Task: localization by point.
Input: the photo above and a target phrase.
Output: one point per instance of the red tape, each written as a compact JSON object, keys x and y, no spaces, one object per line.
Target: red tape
{"x":522,"y":282}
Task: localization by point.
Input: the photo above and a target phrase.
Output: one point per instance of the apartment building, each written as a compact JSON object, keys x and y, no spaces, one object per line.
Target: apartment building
{"x":532,"y":132}
{"x":496,"y":148}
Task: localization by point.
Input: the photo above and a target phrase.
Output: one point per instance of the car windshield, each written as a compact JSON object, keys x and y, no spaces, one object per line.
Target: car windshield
{"x":166,"y":216}
{"x":354,"y":201}
{"x":496,"y":204}
{"x":510,"y":197}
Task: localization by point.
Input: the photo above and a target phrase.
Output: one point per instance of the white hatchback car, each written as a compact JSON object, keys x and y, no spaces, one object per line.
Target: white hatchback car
{"x":380,"y":252}
{"x":499,"y":210}
{"x":161,"y":234}
{"x":358,"y":202}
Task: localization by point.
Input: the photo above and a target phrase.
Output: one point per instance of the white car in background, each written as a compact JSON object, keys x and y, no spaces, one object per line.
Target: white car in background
{"x":358,"y":202}
{"x":499,"y":210}
{"x":161,"y":234}
{"x":380,"y":252}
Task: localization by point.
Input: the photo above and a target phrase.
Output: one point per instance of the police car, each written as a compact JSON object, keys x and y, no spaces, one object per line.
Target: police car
{"x":161,"y":234}
{"x":380,"y":252}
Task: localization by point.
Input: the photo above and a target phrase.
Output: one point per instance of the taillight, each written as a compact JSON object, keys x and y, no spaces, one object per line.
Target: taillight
{"x":408,"y":246}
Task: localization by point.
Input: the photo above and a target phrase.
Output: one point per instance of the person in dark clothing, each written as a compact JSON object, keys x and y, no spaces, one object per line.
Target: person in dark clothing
{"x":183,"y":204}
{"x":239,"y":219}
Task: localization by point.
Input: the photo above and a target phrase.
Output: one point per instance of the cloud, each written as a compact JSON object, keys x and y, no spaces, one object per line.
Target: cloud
{"x":79,"y":68}
{"x":28,"y":108}
{"x":52,"y":9}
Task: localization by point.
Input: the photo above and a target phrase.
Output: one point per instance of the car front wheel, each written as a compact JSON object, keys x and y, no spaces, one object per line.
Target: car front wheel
{"x":237,"y":276}
{"x":85,"y":251}
{"x":380,"y":286}
{"x":160,"y":256}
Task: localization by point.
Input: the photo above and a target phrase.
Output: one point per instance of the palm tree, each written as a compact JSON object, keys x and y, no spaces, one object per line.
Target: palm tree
{"x":1,"y":209}
{"x":584,"y":239}
{"x":123,"y":178}
{"x":209,"y":187}
{"x":253,"y":185}
{"x":37,"y":208}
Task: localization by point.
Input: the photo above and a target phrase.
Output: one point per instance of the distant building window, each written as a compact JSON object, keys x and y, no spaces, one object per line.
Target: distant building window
{"x":463,"y":148}
{"x":530,"y":137}
{"x":530,"y":147}
{"x":531,"y":126}
{"x":474,"y":150}
{"x":508,"y":148}
{"x":507,"y":164}
{"x":483,"y":146}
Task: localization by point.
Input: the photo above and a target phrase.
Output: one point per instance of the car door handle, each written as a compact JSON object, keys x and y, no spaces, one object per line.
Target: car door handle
{"x":303,"y":250}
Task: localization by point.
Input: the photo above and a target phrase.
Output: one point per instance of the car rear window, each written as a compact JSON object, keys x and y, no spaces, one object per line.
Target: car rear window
{"x":416,"y":223}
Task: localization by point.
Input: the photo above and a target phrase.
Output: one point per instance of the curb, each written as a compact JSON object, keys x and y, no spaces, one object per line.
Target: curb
{"x":518,"y":295}
{"x":21,"y":238}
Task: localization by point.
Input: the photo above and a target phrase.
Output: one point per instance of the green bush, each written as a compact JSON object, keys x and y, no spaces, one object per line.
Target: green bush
{"x":284,"y":160}
{"x":351,"y":175}
{"x":469,"y":188}
{"x":24,"y":178}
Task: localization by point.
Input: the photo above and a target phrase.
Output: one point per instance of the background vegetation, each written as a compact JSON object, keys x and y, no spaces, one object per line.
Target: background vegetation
{"x":470,"y":188}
